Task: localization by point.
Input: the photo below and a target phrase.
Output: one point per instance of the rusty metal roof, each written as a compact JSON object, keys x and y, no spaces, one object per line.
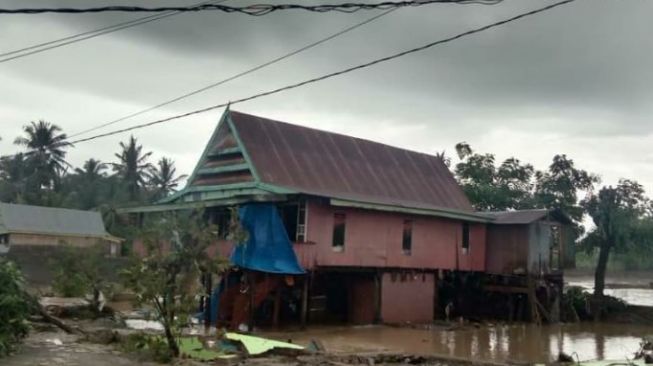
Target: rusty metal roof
{"x":333,"y":165}
{"x":526,"y":216}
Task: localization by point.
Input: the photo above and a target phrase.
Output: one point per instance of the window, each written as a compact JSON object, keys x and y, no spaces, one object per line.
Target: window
{"x":301,"y":222}
{"x":407,"y":240}
{"x":4,"y":239}
{"x":222,"y":219}
{"x":465,"y":237}
{"x":338,"y":241}
{"x":294,"y":220}
{"x":555,"y":248}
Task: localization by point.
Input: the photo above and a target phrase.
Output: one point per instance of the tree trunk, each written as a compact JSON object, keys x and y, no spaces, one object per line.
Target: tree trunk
{"x":172,"y":342}
{"x":599,"y":280}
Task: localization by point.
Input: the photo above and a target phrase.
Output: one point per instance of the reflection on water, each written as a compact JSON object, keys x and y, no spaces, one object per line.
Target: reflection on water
{"x":522,"y":342}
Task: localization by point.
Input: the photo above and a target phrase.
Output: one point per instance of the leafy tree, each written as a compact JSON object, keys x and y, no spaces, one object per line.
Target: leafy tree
{"x":488,"y":187}
{"x":163,"y":178}
{"x":622,"y":220}
{"x":12,"y":178}
{"x":167,"y":277}
{"x":46,"y":148}
{"x":14,"y":309}
{"x":559,"y":186}
{"x":133,"y":167}
{"x":515,"y":185}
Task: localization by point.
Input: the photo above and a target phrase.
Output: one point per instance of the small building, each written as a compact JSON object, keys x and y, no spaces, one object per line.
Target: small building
{"x":536,"y":242}
{"x":527,"y":253}
{"x":31,"y":235}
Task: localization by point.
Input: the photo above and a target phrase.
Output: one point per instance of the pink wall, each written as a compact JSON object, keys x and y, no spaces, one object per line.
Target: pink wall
{"x":373,"y":239}
{"x":407,"y":297}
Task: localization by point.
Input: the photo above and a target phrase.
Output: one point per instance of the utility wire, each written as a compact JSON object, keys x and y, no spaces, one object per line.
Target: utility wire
{"x":255,"y":10}
{"x":337,"y":73}
{"x":238,"y":75}
{"x":41,"y":47}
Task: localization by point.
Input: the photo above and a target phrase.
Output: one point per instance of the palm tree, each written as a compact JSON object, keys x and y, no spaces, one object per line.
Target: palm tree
{"x":46,"y":147}
{"x":162,"y":178}
{"x":132,"y":166}
{"x":92,"y":170}
{"x":44,"y":140}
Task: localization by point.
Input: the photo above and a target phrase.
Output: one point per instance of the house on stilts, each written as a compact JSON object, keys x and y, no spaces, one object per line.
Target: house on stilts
{"x":344,"y":229}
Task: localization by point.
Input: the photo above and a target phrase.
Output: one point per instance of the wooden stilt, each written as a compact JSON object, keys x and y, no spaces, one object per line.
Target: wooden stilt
{"x":533,"y":303}
{"x":377,"y":297}
{"x":304,"y":310}
{"x":277,"y":307}
{"x":250,"y":315}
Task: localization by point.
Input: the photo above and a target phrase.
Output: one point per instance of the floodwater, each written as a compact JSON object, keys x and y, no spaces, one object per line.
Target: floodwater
{"x":500,"y":343}
{"x":634,"y":288}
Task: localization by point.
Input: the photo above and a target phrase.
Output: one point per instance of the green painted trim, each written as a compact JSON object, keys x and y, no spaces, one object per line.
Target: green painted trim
{"x":224,"y":169}
{"x":452,"y":214}
{"x":248,"y":159}
{"x":227,"y":151}
{"x":275,"y":189}
{"x":172,"y":197}
{"x":205,"y":153}
{"x":223,"y":187}
{"x":200,"y":204}
{"x":208,"y":196}
{"x":232,"y":189}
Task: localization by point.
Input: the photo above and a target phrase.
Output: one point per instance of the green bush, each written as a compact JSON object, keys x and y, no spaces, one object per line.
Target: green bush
{"x":14,"y":308}
{"x":77,"y":271}
{"x":147,"y":347}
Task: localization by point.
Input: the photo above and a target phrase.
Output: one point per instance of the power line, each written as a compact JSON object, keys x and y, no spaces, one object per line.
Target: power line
{"x":337,"y":73}
{"x":255,"y":10}
{"x":238,"y":75}
{"x":41,"y":47}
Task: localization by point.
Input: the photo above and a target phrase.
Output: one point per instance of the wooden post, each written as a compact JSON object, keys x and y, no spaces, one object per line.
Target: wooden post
{"x":250,"y":315}
{"x":304,"y":310}
{"x":277,"y":307}
{"x":532,"y":302}
{"x":377,"y":297}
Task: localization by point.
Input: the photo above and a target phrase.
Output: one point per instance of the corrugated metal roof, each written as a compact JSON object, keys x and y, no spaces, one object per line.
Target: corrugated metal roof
{"x":517,"y":217}
{"x":49,"y":220}
{"x":333,"y":165}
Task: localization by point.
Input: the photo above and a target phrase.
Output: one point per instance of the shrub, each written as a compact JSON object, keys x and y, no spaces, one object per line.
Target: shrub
{"x":77,"y":271}
{"x":147,"y":347}
{"x":14,"y":308}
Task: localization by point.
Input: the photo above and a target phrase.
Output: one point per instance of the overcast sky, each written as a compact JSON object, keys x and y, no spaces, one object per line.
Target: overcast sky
{"x":576,"y":80}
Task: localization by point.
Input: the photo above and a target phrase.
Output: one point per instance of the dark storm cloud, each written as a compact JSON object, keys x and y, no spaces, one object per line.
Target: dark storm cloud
{"x":576,"y":79}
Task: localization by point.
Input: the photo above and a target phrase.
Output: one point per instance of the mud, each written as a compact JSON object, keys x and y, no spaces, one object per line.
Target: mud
{"x":500,"y":343}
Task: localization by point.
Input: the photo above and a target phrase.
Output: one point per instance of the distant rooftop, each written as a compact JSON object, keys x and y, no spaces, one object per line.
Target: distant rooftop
{"x":15,"y":218}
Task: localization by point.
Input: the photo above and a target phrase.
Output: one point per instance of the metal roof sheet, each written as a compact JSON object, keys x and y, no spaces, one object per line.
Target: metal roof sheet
{"x":517,"y":217}
{"x":16,"y":218}
{"x":329,"y":164}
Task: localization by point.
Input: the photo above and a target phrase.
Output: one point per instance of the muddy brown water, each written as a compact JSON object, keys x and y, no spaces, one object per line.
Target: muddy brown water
{"x":518,"y":342}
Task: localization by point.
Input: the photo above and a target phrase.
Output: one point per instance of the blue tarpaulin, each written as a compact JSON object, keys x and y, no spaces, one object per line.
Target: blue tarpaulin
{"x":267,"y":248}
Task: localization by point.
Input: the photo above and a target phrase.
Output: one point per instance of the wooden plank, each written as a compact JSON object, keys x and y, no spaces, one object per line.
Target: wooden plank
{"x":507,"y":289}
